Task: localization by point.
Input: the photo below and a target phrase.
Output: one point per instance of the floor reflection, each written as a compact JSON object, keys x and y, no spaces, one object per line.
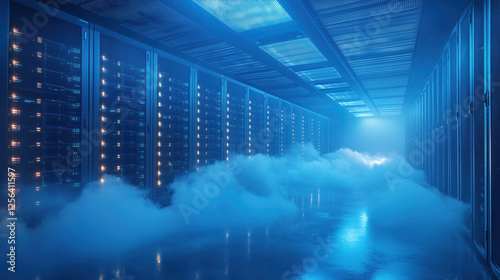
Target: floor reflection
{"x":331,"y":237}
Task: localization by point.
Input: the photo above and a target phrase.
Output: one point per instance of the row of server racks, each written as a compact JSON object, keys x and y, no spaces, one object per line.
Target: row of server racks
{"x":453,"y":128}
{"x":84,"y":101}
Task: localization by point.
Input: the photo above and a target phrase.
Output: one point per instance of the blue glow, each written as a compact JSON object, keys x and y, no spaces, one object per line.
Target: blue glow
{"x":294,"y":52}
{"x":359,"y":115}
{"x":241,"y":15}
{"x":352,"y":103}
{"x":344,"y":95}
{"x":319,"y":74}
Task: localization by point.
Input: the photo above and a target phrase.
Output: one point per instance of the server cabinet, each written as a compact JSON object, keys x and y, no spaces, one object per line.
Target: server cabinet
{"x":273,"y":126}
{"x":438,"y":129}
{"x":430,"y":131}
{"x":47,"y":108}
{"x":478,"y":129}
{"x":256,"y":123}
{"x":313,"y":133}
{"x":454,"y":121}
{"x":425,"y":132}
{"x":297,"y":125}
{"x":333,"y":136}
{"x":306,"y":127}
{"x":443,"y":140}
{"x":494,"y":133}
{"x":122,"y":69}
{"x":172,"y":117}
{"x":208,"y":119}
{"x":465,"y":108}
{"x":445,"y":123}
{"x":286,"y":132}
{"x":235,"y":120}
{"x":323,"y":135}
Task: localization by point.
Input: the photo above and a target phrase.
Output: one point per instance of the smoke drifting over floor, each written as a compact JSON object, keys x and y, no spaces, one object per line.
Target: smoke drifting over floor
{"x":111,"y":219}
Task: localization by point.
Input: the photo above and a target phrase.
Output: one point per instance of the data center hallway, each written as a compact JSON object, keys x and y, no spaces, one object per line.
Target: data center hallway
{"x":250,"y":139}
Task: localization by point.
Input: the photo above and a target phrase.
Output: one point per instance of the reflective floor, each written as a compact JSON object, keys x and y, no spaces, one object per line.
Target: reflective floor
{"x":332,"y":236}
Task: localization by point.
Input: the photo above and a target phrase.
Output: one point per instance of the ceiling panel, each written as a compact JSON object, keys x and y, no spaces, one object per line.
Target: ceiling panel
{"x":319,"y":74}
{"x":242,"y":15}
{"x":343,"y":95}
{"x":388,"y":101}
{"x":295,"y":52}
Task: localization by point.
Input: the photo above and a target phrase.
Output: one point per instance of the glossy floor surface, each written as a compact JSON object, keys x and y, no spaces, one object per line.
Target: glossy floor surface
{"x":332,"y":236}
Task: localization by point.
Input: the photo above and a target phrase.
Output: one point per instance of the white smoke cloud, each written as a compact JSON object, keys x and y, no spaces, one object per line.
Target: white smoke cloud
{"x":114,"y":218}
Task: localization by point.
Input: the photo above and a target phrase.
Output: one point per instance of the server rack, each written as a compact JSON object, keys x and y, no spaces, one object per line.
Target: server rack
{"x":256,"y":123}
{"x":437,"y":128}
{"x":4,"y":86}
{"x":235,"y":120}
{"x":333,"y":136}
{"x":425,"y":136}
{"x":286,"y":130}
{"x":273,"y":126}
{"x":440,"y":127}
{"x":171,"y":114}
{"x":208,"y":120}
{"x":454,"y":136}
{"x":430,"y":132}
{"x":448,"y":116}
{"x":493,"y":77}
{"x":314,"y":130}
{"x":323,"y":135}
{"x":47,"y":105}
{"x":123,"y":78}
{"x":306,"y":127}
{"x":444,"y":123}
{"x":297,"y":125}
{"x":478,"y":128}
{"x":465,"y":111}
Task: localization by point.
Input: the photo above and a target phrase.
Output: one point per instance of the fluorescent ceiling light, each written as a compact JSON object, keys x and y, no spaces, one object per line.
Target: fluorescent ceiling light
{"x":360,"y":115}
{"x":344,"y":95}
{"x":352,"y":103}
{"x":242,"y":15}
{"x":294,"y":52}
{"x":358,"y":109}
{"x":319,"y":74}
{"x":332,"y":85}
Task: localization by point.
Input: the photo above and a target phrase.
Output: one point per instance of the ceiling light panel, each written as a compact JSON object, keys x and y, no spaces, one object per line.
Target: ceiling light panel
{"x":332,"y":85}
{"x":319,"y":74}
{"x":352,"y":103}
{"x":361,"y":115}
{"x":295,"y":52}
{"x":358,"y":109}
{"x":344,"y":95}
{"x":242,"y":15}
